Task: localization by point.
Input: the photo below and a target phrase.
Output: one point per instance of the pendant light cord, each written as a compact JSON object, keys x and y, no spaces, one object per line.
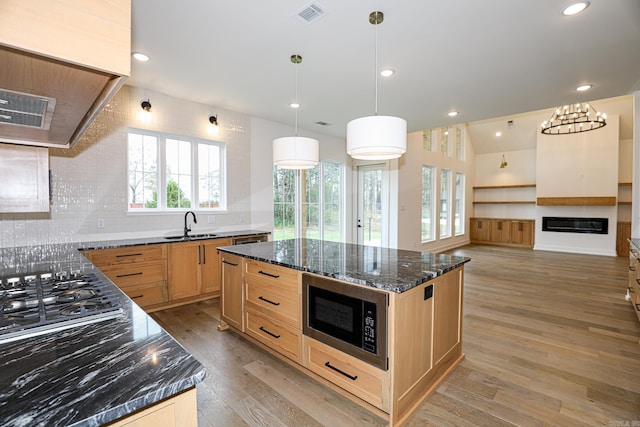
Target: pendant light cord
{"x":296,"y":101}
{"x":375,"y":66}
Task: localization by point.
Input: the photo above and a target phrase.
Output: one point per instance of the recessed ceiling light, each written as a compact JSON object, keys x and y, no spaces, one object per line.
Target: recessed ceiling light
{"x":498,"y":133}
{"x":584,"y":87}
{"x":452,"y":113}
{"x":575,"y":8}
{"x":386,"y":73}
{"x":140,"y":56}
{"x":294,"y":105}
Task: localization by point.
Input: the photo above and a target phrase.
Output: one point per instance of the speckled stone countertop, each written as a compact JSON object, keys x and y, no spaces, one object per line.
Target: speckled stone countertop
{"x":392,"y":270}
{"x":93,"y":374}
{"x":635,"y":242}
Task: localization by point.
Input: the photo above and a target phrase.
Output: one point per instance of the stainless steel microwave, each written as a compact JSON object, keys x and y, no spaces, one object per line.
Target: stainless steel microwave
{"x":350,"y":318}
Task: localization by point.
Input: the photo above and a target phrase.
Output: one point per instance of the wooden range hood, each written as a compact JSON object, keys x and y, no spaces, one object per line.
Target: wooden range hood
{"x":71,"y":57}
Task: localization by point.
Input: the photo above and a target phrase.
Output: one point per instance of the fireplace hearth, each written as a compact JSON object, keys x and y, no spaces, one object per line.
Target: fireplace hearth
{"x":575,"y":225}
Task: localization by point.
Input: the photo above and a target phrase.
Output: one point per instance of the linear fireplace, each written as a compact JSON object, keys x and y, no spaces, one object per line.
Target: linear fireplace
{"x":575,"y":225}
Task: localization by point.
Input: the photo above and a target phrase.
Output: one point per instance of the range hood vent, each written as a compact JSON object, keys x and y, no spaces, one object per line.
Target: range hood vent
{"x":23,"y":109}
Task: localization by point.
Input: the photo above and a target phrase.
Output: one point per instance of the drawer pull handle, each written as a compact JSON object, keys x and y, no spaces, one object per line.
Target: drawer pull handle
{"x":126,"y":255}
{"x":632,"y":269}
{"x":230,"y":263}
{"x":266,"y":300}
{"x":270,"y":333}
{"x":638,"y":281}
{"x":130,"y":274}
{"x":275,"y":276}
{"x":351,"y":377}
{"x":137,"y":296}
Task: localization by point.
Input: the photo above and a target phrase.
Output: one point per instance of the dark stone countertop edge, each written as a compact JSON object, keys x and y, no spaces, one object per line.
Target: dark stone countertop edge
{"x":397,"y":288}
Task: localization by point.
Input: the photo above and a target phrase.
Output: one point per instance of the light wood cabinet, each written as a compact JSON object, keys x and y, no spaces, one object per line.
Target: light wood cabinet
{"x":194,"y":269}
{"x":273,"y":307}
{"x":232,"y":298}
{"x":140,"y":271}
{"x":359,"y":378}
{"x":502,"y":231}
{"x":447,"y":307}
{"x":633,"y":288}
{"x":24,"y":173}
{"x":177,"y":411}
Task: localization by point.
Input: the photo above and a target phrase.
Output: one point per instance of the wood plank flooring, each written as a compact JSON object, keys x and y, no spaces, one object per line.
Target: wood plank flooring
{"x":548,"y":337}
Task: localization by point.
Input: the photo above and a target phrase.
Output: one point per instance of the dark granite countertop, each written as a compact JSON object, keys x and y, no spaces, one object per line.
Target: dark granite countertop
{"x":635,"y":242}
{"x":89,"y":375}
{"x":392,"y":270}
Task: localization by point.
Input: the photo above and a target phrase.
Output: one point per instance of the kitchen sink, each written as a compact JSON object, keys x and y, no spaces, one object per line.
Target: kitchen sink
{"x":192,"y":236}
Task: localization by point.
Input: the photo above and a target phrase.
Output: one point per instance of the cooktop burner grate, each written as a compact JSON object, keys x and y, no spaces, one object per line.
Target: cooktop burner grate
{"x":34,"y":304}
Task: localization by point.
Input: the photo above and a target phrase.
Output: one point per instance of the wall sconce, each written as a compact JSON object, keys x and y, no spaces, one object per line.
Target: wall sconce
{"x":504,"y":163}
{"x":214,"y":129}
{"x":146,"y":106}
{"x":145,"y":115}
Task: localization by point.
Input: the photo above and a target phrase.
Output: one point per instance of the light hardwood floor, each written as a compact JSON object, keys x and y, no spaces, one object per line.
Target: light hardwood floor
{"x":548,"y":337}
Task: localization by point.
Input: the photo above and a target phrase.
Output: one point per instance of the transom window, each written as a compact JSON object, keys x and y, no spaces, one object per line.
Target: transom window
{"x":168,"y":172}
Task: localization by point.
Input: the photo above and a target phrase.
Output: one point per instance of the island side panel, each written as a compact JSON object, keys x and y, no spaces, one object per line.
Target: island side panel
{"x":425,"y":319}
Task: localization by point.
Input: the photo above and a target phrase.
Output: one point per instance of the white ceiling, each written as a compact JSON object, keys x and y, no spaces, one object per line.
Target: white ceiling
{"x":485,"y":59}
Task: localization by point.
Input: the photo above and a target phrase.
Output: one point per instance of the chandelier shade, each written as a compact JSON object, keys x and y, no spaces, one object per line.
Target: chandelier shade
{"x":573,"y":118}
{"x":295,"y":152}
{"x":377,"y":138}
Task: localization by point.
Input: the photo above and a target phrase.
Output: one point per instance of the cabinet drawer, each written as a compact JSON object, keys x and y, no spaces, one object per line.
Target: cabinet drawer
{"x":116,"y":256}
{"x":281,"y":277}
{"x":137,"y":274}
{"x":283,"y":339}
{"x":353,"y":375}
{"x":148,"y":294}
{"x":276,"y":303}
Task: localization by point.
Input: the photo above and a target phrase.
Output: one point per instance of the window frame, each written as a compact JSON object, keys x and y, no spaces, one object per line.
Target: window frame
{"x":432,"y":232}
{"x":459,"y":208}
{"x":447,"y":205}
{"x":162,"y":174}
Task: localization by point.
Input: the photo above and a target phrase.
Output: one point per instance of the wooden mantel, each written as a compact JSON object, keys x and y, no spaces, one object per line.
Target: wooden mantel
{"x":576,"y":201}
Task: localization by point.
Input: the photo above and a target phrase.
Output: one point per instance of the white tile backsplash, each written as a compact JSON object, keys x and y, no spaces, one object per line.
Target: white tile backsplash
{"x":89,"y":182}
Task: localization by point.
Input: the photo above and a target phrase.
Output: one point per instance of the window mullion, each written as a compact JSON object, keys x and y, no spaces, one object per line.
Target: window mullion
{"x":195,"y":176}
{"x":162,"y":178}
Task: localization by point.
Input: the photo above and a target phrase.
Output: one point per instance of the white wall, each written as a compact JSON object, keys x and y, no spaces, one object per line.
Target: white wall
{"x":410,"y":192}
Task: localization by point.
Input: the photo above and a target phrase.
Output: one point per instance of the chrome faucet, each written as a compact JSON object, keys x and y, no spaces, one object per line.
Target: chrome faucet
{"x":186,"y":228}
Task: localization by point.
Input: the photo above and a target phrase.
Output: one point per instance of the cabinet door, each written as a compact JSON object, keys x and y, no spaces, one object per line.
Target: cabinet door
{"x":210,"y":265}
{"x":500,"y":231}
{"x":447,"y":295}
{"x":184,"y":270}
{"x":231,"y":303}
{"x":522,"y":232}
{"x":480,"y":230}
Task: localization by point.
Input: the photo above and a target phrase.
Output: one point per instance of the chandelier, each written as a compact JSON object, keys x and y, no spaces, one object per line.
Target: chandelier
{"x":574,"y":118}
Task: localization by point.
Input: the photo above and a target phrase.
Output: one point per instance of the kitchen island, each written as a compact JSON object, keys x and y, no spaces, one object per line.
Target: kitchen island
{"x":116,"y":370}
{"x":265,"y":298}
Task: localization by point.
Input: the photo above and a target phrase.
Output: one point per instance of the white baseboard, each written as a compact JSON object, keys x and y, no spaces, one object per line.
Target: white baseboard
{"x":574,"y":250}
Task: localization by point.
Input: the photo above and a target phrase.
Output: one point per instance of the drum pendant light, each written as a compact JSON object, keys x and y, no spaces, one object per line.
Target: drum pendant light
{"x":376,"y":137}
{"x":295,"y":152}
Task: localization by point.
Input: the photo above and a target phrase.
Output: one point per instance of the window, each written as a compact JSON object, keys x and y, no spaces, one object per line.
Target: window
{"x":427,"y":140}
{"x":459,"y":144}
{"x":459,"y":214}
{"x":444,"y":142}
{"x":307,"y":203}
{"x":445,"y":203}
{"x":167,"y":172}
{"x":428,"y":203}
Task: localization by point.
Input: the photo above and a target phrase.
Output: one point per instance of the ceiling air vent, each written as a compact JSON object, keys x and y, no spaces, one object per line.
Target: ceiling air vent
{"x":310,"y":13}
{"x":22,"y":109}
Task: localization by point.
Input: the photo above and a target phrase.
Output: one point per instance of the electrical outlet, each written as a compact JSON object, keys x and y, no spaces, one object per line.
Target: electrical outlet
{"x":241,"y":219}
{"x":211,"y":219}
{"x":100,"y":223}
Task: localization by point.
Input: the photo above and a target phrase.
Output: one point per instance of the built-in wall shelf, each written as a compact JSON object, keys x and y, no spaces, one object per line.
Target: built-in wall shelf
{"x":624,"y":203}
{"x":495,"y":187}
{"x":625,"y":184}
{"x":577,"y":201}
{"x":521,"y":202}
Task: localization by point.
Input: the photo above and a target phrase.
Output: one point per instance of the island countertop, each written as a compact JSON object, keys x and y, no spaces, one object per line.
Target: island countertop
{"x":393,"y":270}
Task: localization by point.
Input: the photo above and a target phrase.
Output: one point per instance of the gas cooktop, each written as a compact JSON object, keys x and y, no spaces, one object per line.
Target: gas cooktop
{"x":44,"y":302}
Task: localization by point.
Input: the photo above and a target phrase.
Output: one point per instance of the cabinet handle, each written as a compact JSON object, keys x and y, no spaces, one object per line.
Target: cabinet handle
{"x":126,"y":255}
{"x":638,"y":281}
{"x":137,"y":296}
{"x":631,"y":290}
{"x":230,"y":263}
{"x":199,"y":256}
{"x":204,"y":254}
{"x":266,"y":300}
{"x":632,"y":269}
{"x":351,"y":377}
{"x":275,"y":276}
{"x":270,"y":333}
{"x":130,"y":274}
